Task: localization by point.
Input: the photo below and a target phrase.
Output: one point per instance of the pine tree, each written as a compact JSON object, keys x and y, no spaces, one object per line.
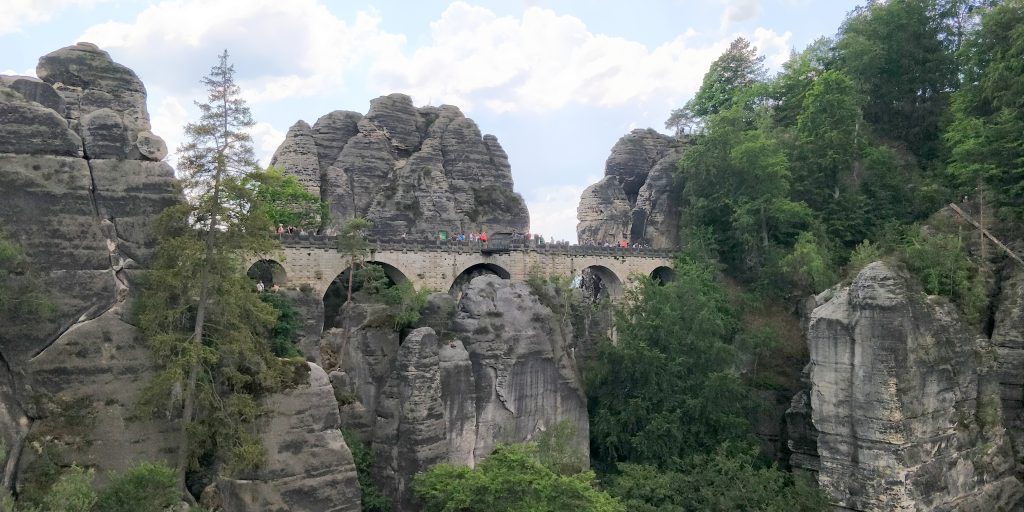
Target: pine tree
{"x":197,"y":309}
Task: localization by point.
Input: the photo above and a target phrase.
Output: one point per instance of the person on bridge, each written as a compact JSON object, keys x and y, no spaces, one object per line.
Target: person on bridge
{"x":483,"y":237}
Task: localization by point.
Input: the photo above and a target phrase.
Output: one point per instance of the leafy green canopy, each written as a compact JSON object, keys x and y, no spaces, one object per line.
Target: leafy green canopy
{"x":512,"y":479}
{"x":284,"y":201}
{"x":728,"y":479}
{"x":666,"y":389}
{"x":739,"y":67}
{"x":985,"y":137}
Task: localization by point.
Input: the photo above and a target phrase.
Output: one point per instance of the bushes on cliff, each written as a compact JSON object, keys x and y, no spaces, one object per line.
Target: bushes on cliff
{"x":511,"y":479}
{"x":143,"y":488}
{"x":727,"y":479}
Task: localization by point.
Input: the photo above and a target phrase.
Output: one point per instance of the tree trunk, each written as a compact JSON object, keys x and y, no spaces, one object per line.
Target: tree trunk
{"x":764,"y":229}
{"x":189,"y":406}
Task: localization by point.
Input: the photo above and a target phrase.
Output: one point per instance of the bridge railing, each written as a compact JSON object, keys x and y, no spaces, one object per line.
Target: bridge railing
{"x":330,"y":242}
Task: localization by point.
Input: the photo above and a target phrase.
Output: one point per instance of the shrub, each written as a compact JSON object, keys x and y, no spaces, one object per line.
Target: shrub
{"x":144,"y":488}
{"x":943,"y":267}
{"x":865,"y":253}
{"x":72,"y":492}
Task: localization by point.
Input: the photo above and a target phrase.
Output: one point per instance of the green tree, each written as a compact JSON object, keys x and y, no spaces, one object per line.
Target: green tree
{"x":809,"y":265}
{"x":511,"y":479}
{"x":728,"y":479}
{"x":798,"y":75}
{"x":737,"y":183}
{"x":739,"y":67}
{"x":895,"y":53}
{"x":286,"y":202}
{"x":829,"y":131}
{"x":988,"y":112}
{"x":353,"y":244}
{"x":204,"y":325}
{"x":666,"y":389}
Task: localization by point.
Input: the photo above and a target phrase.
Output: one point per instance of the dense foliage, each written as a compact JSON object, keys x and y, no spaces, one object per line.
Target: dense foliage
{"x":852,"y":139}
{"x":286,"y":202}
{"x":666,"y":390}
{"x":143,"y":488}
{"x":728,"y":479}
{"x":512,"y":479}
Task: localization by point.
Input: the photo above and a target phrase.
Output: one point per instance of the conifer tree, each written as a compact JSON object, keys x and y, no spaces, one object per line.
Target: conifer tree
{"x":197,"y":309}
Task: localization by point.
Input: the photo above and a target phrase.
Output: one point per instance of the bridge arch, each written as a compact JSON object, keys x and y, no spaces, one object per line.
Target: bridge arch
{"x":477,"y":269}
{"x":600,"y":281}
{"x":663,"y":274}
{"x":337,"y":289}
{"x":267,"y":271}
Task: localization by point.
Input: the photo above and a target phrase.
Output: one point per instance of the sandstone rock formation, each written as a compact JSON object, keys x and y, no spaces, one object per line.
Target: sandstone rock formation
{"x":634,"y":200}
{"x":904,"y":402}
{"x":494,"y":366}
{"x":1008,"y":341}
{"x":79,"y":197}
{"x":412,"y":171}
{"x":309,"y":467}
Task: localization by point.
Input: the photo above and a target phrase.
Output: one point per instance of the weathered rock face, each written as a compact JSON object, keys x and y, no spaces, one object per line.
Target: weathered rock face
{"x":410,"y":170}
{"x":634,"y":200}
{"x":309,"y":467}
{"x":79,"y":197}
{"x":1008,"y":341}
{"x":907,"y":417}
{"x":494,"y":366}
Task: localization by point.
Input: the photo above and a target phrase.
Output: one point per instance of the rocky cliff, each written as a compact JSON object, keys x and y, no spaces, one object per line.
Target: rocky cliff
{"x":493,"y":366}
{"x":82,"y":181}
{"x":905,"y":402}
{"x":635,"y":199}
{"x":412,"y":171}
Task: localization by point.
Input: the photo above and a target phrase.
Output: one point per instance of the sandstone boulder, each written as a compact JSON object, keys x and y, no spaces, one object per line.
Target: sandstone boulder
{"x":36,"y":90}
{"x":309,"y":467}
{"x":411,"y":171}
{"x":89,"y":80}
{"x":907,"y":418}
{"x":636,"y":200}
{"x":29,"y":128}
{"x":84,"y":389}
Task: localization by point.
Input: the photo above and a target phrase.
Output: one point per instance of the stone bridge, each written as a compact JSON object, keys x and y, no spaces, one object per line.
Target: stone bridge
{"x":314,"y":260}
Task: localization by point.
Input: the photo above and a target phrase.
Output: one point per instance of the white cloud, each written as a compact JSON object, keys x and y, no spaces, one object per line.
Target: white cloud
{"x":168,"y":120}
{"x":737,"y":11}
{"x":265,"y":140}
{"x":543,"y":61}
{"x":537,"y":61}
{"x":553,"y":210}
{"x":280,"y":49}
{"x":19,"y":14}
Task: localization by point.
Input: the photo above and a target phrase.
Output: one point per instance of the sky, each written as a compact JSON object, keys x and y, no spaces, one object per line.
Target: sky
{"x":558,"y":82}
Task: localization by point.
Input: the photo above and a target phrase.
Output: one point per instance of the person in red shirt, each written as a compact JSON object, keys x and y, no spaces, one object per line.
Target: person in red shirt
{"x":483,"y":237}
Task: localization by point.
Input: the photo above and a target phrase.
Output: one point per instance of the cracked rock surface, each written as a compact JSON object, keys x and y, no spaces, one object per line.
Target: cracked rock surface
{"x":79,"y":197}
{"x":906,"y":403}
{"x":494,"y":366}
